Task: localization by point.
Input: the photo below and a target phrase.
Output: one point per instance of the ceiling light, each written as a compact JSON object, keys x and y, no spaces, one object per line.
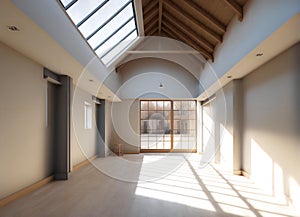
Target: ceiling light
{"x":13,"y":28}
{"x":259,"y":54}
{"x":91,"y":80}
{"x":161,"y":85}
{"x":229,"y":76}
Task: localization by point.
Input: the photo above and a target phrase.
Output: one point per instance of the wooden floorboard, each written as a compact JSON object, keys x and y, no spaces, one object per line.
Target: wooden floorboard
{"x":193,"y":188}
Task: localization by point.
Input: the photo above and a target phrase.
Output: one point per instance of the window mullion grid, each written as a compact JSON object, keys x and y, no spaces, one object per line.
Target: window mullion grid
{"x":107,"y":21}
{"x":126,"y":36}
{"x":70,"y":4}
{"x":92,"y":13}
{"x":111,"y":35}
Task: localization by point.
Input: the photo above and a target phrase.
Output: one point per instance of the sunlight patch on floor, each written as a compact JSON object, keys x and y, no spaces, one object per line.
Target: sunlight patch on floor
{"x":211,"y":188}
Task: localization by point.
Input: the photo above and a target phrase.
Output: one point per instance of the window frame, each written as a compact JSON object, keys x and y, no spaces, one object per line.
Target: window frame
{"x":116,"y":44}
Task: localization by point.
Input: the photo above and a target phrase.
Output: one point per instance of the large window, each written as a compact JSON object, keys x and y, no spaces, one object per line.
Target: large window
{"x":168,"y":125}
{"x":107,"y":25}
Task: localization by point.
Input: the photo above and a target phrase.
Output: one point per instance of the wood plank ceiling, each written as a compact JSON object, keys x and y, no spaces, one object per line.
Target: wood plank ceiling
{"x":199,"y":23}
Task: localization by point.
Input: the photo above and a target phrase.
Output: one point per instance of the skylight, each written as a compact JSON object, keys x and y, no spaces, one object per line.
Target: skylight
{"x":108,"y":26}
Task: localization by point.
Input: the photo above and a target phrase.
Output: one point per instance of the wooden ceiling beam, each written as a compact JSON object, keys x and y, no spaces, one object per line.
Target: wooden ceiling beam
{"x":147,"y":17}
{"x":192,"y":21}
{"x":160,"y":10}
{"x":152,"y":31}
{"x":174,"y":31}
{"x":203,"y":13}
{"x":188,"y":31}
{"x":149,"y":6}
{"x":152,"y":22}
{"x":167,"y":31}
{"x":236,"y":8}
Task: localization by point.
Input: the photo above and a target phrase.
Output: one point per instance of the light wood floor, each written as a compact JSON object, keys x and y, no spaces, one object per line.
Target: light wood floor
{"x":178,"y":186}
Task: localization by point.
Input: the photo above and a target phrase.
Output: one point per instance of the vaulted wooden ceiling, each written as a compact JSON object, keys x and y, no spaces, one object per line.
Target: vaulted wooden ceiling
{"x":199,"y":23}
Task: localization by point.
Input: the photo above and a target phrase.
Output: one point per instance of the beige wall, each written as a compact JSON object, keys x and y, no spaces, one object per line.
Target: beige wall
{"x":25,"y":151}
{"x":125,"y":125}
{"x":272,"y":125}
{"x":25,"y":155}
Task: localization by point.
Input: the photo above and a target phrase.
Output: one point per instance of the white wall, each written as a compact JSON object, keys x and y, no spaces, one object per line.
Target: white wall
{"x":218,"y":128}
{"x":25,"y":154}
{"x":83,"y":141}
{"x":272,"y":125}
{"x":261,"y":19}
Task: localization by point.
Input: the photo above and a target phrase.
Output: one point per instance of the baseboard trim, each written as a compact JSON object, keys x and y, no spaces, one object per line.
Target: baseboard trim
{"x":244,"y":173}
{"x":131,"y":153}
{"x":237,"y":172}
{"x":83,"y":163}
{"x":25,"y":191}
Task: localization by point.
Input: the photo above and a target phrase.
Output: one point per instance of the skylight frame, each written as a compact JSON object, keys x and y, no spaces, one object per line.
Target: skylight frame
{"x":132,"y":35}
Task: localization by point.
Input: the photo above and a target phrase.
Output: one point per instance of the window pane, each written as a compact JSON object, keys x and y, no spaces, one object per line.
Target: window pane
{"x":177,"y":115}
{"x":144,"y":115}
{"x":145,"y":127}
{"x":167,"y":115}
{"x":192,"y":105}
{"x":112,"y":26}
{"x":160,"y":105}
{"x":177,"y":105}
{"x":83,"y":8}
{"x":167,"y":105}
{"x":144,"y":145}
{"x":192,"y":115}
{"x":119,"y":49}
{"x":144,"y":105}
{"x":116,"y":38}
{"x":185,"y":105}
{"x":101,"y":16}
{"x":65,"y":2}
{"x":192,"y":124}
{"x":152,"y":105}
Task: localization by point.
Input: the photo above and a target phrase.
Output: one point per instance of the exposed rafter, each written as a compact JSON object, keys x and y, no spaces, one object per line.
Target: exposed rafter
{"x":236,"y":8}
{"x":189,"y":32}
{"x":152,"y":31}
{"x":208,"y":17}
{"x":148,"y":16}
{"x":189,"y":19}
{"x":175,"y":33}
{"x":201,"y":24}
{"x":151,"y":23}
{"x":149,"y":6}
{"x":160,"y":8}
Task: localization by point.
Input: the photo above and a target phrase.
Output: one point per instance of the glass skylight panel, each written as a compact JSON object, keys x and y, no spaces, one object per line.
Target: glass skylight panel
{"x":119,"y":35}
{"x":65,"y":3}
{"x":126,"y":41}
{"x":112,"y":26}
{"x":82,"y":8}
{"x":104,"y":23}
{"x":106,"y":13}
